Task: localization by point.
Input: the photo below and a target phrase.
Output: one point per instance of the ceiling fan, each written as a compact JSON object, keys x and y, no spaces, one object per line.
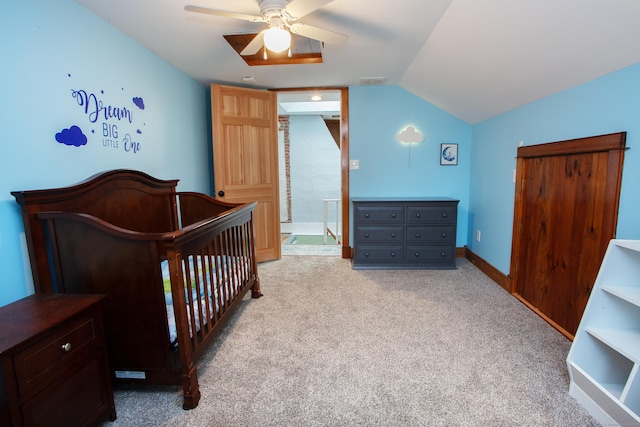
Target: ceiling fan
{"x":281,"y":16}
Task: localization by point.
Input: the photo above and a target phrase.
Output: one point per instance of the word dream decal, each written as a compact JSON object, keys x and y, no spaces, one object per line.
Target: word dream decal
{"x":110,"y":123}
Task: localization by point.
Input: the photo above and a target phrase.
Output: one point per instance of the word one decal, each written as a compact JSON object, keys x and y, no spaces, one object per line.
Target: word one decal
{"x":107,"y":121}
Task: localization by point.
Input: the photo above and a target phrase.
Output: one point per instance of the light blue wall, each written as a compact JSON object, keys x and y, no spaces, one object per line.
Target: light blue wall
{"x":52,"y":48}
{"x":606,"y":105}
{"x":389,"y":168}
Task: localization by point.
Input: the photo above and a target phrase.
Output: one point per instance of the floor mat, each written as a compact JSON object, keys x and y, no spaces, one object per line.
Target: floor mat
{"x":296,"y":239}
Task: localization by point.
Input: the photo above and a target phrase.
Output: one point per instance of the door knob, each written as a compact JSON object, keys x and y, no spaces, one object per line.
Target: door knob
{"x":221,"y":193}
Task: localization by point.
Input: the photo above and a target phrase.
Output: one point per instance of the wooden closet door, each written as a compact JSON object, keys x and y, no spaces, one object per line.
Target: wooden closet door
{"x":566,"y":212}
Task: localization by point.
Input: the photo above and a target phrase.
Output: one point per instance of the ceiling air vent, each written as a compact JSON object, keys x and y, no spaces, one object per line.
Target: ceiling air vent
{"x":372,"y":80}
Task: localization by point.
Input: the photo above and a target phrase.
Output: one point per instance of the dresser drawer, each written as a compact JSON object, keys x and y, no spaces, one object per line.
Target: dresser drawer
{"x":379,"y":214}
{"x":431,"y":215}
{"x":431,"y":255}
{"x":379,"y":254}
{"x":54,"y":354}
{"x":431,"y":235}
{"x":380,"y":234}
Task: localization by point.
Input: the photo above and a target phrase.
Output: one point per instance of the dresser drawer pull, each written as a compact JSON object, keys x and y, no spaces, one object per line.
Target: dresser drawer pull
{"x":366,"y":215}
{"x":418,"y":235}
{"x":66,"y":347}
{"x":442,"y":254}
{"x":366,"y":235}
{"x":366,"y":254}
{"x":393,"y":215}
{"x":393,"y":254}
{"x":444,"y":215}
{"x":417,"y":254}
{"x":417,"y":215}
{"x":393,"y":235}
{"x":444,"y":234}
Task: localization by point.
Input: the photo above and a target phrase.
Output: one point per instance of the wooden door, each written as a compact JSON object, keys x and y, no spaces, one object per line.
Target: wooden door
{"x":245,"y":158}
{"x":566,"y":211}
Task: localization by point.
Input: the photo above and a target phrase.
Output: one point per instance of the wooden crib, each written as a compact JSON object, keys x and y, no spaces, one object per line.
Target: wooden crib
{"x":174,"y":266}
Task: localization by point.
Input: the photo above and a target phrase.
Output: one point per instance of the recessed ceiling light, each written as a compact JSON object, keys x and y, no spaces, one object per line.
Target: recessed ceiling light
{"x":249,"y":79}
{"x":316,"y":98}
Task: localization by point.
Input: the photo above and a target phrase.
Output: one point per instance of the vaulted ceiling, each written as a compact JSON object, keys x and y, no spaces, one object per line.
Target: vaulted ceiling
{"x":472,"y":58}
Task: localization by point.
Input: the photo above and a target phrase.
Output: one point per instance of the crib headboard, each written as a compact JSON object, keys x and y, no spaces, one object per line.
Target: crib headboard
{"x":125,"y":198}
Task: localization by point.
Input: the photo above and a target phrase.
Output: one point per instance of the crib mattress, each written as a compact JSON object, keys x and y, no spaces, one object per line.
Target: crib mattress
{"x":210,"y":280}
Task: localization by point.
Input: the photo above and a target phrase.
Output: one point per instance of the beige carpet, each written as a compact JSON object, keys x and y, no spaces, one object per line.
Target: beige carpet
{"x":330,"y":346}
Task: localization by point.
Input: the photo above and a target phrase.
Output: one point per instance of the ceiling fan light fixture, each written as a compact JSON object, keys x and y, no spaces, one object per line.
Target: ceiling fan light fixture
{"x":277,"y":39}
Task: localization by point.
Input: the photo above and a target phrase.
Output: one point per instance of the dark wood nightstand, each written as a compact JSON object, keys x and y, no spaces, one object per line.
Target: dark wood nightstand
{"x":54,"y":368}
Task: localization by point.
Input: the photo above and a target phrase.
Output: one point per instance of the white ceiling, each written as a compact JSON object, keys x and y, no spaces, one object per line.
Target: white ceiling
{"x":472,"y":58}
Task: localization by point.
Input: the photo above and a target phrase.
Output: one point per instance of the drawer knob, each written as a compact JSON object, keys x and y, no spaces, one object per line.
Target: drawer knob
{"x":444,"y":214}
{"x":393,"y":215}
{"x":393,"y":254}
{"x":393,"y":235}
{"x":417,"y":215}
{"x":366,"y":254}
{"x":417,"y":254}
{"x":444,"y":234}
{"x":442,"y":254}
{"x":417,"y":234}
{"x":366,"y":215}
{"x":366,"y":235}
{"x":66,"y":347}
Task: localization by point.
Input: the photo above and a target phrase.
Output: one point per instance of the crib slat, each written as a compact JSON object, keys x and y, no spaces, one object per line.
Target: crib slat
{"x":189,"y":294}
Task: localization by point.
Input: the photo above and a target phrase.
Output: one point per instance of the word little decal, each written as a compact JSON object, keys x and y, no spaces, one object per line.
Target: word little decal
{"x":111,"y":123}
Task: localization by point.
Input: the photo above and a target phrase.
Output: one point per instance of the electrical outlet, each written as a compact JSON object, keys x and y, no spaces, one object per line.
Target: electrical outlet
{"x":478,"y":235}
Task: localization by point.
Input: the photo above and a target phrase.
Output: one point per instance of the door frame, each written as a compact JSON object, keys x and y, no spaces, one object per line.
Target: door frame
{"x":344,"y":156}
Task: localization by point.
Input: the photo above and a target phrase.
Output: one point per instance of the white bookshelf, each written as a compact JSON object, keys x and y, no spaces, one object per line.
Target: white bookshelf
{"x":604,"y":360}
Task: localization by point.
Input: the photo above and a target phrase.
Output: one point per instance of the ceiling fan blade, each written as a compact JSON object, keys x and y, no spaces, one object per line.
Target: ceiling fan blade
{"x":299,"y":8}
{"x":319,"y":34}
{"x":254,"y":45}
{"x":226,"y":14}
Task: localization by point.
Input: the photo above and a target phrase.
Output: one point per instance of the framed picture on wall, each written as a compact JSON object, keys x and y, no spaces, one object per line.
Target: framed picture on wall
{"x":449,"y":154}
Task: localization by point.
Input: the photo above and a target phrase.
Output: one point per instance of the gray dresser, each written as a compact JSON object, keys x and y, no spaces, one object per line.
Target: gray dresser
{"x":416,"y":233}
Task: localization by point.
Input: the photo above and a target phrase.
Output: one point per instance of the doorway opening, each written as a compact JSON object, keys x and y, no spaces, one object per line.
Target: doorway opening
{"x":310,"y":176}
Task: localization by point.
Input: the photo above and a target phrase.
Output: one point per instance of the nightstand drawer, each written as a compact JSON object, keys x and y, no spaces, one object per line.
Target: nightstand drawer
{"x":54,"y":354}
{"x":431,"y":235}
{"x":379,"y":214}
{"x":431,"y":215}
{"x":379,"y":234}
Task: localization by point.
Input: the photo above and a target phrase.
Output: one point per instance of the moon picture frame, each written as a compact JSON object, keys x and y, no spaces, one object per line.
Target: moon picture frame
{"x":449,"y":154}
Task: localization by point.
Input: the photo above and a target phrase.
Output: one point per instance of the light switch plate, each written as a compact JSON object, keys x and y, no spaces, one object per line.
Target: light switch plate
{"x":354,"y":164}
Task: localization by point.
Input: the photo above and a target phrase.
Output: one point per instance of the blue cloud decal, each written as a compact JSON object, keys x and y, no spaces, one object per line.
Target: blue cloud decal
{"x":138,"y":131}
{"x":139,"y":102}
{"x":72,"y":136}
